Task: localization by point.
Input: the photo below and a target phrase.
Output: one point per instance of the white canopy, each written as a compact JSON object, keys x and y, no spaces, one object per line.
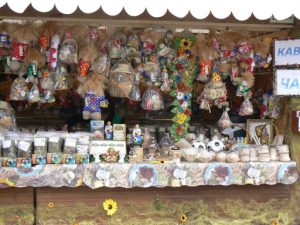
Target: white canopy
{"x":200,"y":9}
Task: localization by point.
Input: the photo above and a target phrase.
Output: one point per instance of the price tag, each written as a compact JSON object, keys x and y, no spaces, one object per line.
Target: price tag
{"x":41,"y":142}
{"x":24,"y":145}
{"x":54,"y":139}
{"x":6,"y":143}
{"x":70,"y":142}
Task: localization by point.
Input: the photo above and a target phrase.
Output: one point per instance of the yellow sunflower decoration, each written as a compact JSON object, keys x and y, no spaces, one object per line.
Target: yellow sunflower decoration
{"x":181,"y":118}
{"x":185,"y":44}
{"x":183,"y":218}
{"x":50,"y":205}
{"x":275,"y":222}
{"x":110,"y":206}
{"x":216,"y":77}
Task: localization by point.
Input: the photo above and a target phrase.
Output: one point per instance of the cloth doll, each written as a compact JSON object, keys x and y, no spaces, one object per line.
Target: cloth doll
{"x":94,"y":98}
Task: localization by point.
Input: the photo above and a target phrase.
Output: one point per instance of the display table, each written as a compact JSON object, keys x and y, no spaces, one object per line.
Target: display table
{"x":127,"y":175}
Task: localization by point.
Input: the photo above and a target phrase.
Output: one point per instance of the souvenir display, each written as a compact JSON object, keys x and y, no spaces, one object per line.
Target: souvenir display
{"x":120,"y":80}
{"x":152,"y":99}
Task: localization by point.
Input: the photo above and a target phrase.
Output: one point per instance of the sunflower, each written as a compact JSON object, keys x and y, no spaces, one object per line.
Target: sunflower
{"x":183,"y":218}
{"x":50,"y":205}
{"x":185,"y":44}
{"x":110,"y":206}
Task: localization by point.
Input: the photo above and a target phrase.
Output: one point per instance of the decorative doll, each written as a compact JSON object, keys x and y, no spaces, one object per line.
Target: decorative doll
{"x":34,"y":61}
{"x":94,"y":98}
{"x":214,"y":93}
{"x":116,"y":49}
{"x":132,"y":49}
{"x":120,"y":79}
{"x":166,"y":83}
{"x":137,"y":135}
{"x":47,"y":88}
{"x":152,"y":71}
{"x":68,"y":49}
{"x":108,"y":130}
{"x":22,"y":36}
{"x":61,"y":78}
{"x":244,"y":84}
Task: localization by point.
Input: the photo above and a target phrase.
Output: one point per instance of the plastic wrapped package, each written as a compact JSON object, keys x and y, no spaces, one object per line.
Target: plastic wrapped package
{"x":165,"y":143}
{"x":24,"y":148}
{"x":19,"y":89}
{"x":152,"y":99}
{"x":55,"y":144}
{"x":61,"y":81}
{"x":47,"y":94}
{"x":40,"y":145}
{"x":83,"y":142}
{"x":9,"y":148}
{"x":101,"y":64}
{"x":246,"y":108}
{"x":224,"y":121}
{"x":34,"y":94}
{"x":135,"y":94}
{"x":68,"y":50}
{"x":70,"y":145}
{"x":7,"y":117}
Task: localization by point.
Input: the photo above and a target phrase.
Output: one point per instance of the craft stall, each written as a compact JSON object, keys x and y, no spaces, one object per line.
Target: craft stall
{"x":120,"y":116}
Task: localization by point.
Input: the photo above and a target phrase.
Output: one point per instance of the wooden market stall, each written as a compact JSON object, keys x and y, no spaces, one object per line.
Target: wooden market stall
{"x":74,"y":194}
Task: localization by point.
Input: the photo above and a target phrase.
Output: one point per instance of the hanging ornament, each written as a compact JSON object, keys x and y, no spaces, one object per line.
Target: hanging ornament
{"x":184,"y":69}
{"x":224,"y":121}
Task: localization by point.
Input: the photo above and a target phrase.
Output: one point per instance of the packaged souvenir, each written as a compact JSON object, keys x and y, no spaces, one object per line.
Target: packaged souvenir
{"x":224,"y":121}
{"x":19,"y":50}
{"x":55,"y":144}
{"x":4,"y":44}
{"x":119,"y":132}
{"x":205,"y":70}
{"x":68,"y":49}
{"x":40,"y":145}
{"x":54,"y":158}
{"x":246,"y":108}
{"x":34,"y":61}
{"x":152,"y":71}
{"x":97,"y":129}
{"x":9,"y":149}
{"x":19,"y":89}
{"x":47,"y":89}
{"x":38,"y":159}
{"x":70,"y":145}
{"x":132,"y":49}
{"x":152,"y":99}
{"x":7,"y":117}
{"x":61,"y":78}
{"x":120,"y":79}
{"x":166,"y":83}
{"x":165,"y":144}
{"x":68,"y":159}
{"x":101,"y":64}
{"x":53,"y":51}
{"x":83,"y":142}
{"x":135,"y":94}
{"x":116,"y":49}
{"x":24,"y":148}
{"x":34,"y":93}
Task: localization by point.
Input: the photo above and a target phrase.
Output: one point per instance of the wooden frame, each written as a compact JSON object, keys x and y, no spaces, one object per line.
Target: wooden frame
{"x":265,"y":125}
